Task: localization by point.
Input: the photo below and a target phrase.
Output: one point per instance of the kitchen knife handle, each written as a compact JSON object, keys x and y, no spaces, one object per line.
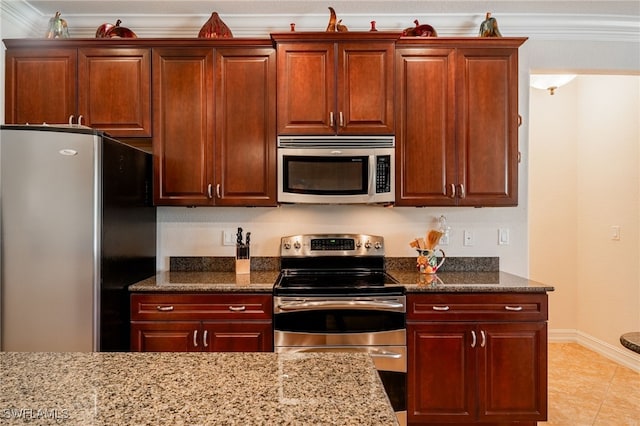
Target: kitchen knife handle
{"x":209,"y":193}
{"x":195,"y":338}
{"x":218,"y":191}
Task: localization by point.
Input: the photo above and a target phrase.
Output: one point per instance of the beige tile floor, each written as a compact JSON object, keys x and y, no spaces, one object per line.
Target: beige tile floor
{"x":586,"y":388}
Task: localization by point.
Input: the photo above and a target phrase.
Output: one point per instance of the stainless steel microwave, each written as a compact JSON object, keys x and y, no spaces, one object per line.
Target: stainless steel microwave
{"x":336,"y":169}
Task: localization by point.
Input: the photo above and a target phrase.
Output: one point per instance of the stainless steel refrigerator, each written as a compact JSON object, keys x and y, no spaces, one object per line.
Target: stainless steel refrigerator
{"x":77,"y":226}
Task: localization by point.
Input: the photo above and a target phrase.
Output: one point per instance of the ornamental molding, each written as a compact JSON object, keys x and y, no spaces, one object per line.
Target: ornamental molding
{"x":535,"y":26}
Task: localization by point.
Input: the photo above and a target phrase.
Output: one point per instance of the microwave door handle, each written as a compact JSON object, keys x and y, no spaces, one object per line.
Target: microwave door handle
{"x":372,"y":175}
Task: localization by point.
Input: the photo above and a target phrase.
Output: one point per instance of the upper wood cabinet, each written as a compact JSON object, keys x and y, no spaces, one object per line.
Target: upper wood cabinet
{"x":335,"y":83}
{"x":457,"y":114}
{"x":214,"y":125}
{"x":108,"y":86}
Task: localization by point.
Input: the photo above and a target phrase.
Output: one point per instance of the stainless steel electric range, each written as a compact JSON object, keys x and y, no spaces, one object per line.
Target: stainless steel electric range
{"x":333,"y":294}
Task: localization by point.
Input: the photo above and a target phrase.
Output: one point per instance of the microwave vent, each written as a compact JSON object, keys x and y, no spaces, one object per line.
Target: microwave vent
{"x":336,"y":141}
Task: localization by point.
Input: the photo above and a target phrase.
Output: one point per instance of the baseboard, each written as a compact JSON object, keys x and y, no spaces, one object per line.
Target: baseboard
{"x":620,"y":355}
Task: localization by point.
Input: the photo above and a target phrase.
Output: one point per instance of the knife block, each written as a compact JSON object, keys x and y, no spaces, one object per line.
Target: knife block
{"x":243,"y":266}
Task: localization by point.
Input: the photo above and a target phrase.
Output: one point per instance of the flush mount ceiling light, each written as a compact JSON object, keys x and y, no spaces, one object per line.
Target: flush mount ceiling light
{"x":550,"y":82}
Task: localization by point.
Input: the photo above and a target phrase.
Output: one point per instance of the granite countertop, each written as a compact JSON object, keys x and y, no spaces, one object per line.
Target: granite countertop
{"x":255,"y":282}
{"x":467,"y":282}
{"x":191,"y":389}
{"x":631,"y":341}
{"x":414,"y":282}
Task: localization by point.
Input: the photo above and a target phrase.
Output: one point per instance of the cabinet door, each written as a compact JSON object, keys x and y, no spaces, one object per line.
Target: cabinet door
{"x":365,"y":88}
{"x":441,"y":382}
{"x":425,"y":136}
{"x":245,"y":149}
{"x":183,"y":103}
{"x":114,"y":90}
{"x":306,"y":88}
{"x":487,"y":111}
{"x":238,"y":336}
{"x":40,"y":86}
{"x":512,"y":372}
{"x":165,"y":336}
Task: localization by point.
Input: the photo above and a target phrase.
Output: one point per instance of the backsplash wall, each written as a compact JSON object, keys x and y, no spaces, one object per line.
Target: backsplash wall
{"x":199,"y":231}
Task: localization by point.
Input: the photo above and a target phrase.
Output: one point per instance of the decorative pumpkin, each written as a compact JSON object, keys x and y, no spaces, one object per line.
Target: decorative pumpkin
{"x":57,"y":27}
{"x":114,"y":31}
{"x":423,"y":30}
{"x":489,"y":27}
{"x":215,"y":28}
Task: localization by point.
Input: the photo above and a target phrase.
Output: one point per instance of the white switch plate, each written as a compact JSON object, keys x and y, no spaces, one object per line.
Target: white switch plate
{"x":615,"y":232}
{"x":503,"y":236}
{"x":228,"y":238}
{"x":469,"y":238}
{"x":444,"y":239}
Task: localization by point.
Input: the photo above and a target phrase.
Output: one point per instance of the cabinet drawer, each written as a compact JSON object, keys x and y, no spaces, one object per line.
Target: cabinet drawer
{"x":472,"y":307}
{"x":201,"y":306}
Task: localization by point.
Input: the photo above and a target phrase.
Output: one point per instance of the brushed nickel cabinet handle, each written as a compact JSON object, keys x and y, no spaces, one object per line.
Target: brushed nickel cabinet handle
{"x":331,"y":120}
{"x":462,"y":193}
{"x":513,"y":308}
{"x":210,"y":191}
{"x":237,"y":308}
{"x":453,"y":191}
{"x":204,"y":339}
{"x":484,"y":338}
{"x":473,"y":339}
{"x":341,"y":119}
{"x":168,"y":308}
{"x":195,"y":338}
{"x":440,"y":308}
{"x":218,"y":191}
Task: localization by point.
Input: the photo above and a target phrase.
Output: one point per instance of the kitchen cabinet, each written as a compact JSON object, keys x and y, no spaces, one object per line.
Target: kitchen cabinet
{"x":335,"y":83}
{"x":108,"y":86}
{"x":477,"y":358}
{"x":201,"y":322}
{"x":214,"y":126}
{"x":457,"y":115}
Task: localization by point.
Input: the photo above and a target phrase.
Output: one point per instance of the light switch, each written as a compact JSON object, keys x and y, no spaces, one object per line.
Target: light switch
{"x":228,"y":238}
{"x":503,"y":236}
{"x":615,"y":232}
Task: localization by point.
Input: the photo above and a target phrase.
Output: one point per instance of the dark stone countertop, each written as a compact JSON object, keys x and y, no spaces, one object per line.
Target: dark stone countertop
{"x":631,"y":341}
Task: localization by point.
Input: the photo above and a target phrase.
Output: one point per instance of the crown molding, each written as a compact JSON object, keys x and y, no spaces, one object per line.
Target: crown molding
{"x":540,"y":26}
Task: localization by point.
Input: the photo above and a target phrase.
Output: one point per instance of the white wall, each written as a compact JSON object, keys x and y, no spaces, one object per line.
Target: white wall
{"x":584,"y":179}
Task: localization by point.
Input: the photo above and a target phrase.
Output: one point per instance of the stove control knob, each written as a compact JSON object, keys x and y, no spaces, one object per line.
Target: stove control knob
{"x":367,"y":245}
{"x":377,"y":245}
{"x":296,"y":245}
{"x":358,"y":244}
{"x":287,"y":245}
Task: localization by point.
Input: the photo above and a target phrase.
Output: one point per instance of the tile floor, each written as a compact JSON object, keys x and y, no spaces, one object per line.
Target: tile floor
{"x":586,"y":388}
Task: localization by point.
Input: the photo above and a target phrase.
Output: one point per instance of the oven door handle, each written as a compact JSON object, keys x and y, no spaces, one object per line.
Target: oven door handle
{"x":346,"y":304}
{"x":374,"y":352}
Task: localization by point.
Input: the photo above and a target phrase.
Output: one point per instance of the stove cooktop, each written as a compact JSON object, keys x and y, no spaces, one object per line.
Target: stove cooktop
{"x":328,"y":282}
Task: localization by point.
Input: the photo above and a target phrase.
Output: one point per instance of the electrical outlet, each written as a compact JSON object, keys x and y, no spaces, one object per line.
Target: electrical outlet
{"x":469,"y":238}
{"x":444,"y":239}
{"x":615,"y":233}
{"x":228,"y":238}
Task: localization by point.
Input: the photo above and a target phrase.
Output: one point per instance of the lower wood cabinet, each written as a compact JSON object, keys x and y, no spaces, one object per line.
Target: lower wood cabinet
{"x":201,"y":322}
{"x":477,"y":358}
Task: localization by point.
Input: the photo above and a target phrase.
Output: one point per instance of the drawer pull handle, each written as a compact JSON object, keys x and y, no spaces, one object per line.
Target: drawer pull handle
{"x":513,"y":308}
{"x":164,"y":308}
{"x":204,"y":339}
{"x":484,"y":338}
{"x":440,"y":308}
{"x":473,"y":339}
{"x":237,"y":308}
{"x":195,"y":338}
